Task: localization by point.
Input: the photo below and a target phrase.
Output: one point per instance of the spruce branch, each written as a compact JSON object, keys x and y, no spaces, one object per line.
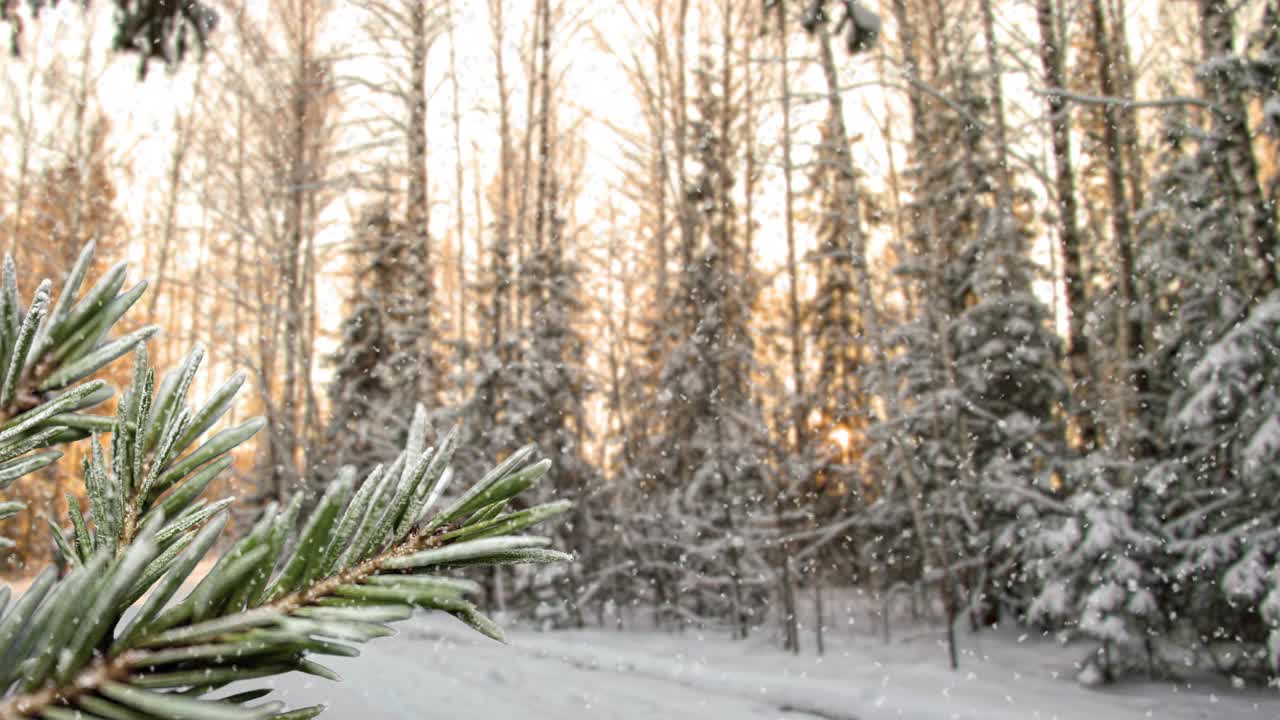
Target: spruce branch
{"x":47,"y":350}
{"x":109,"y":640}
{"x":284,"y":592}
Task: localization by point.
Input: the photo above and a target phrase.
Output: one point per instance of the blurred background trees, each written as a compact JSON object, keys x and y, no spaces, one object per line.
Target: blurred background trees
{"x":976,"y":297}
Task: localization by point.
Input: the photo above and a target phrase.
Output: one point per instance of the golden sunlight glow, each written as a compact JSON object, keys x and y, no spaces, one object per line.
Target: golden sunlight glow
{"x":842,"y":437}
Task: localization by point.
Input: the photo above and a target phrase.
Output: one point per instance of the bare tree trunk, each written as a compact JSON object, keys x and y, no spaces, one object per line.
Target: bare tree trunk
{"x":241,"y":220}
{"x":79,"y":132}
{"x":540,"y":220}
{"x":1231,"y":121}
{"x":1128,"y":323}
{"x":285,"y":472}
{"x":463,"y":294}
{"x":818,"y":610}
{"x":25,"y":122}
{"x":795,"y":326}
{"x":686,"y":210}
{"x":196,"y":312}
{"x":664,"y":170}
{"x":522,"y":250}
{"x":1126,"y":81}
{"x":419,"y":206}
{"x":914,"y":489}
{"x":502,"y":248}
{"x":478,"y":253}
{"x":1069,"y":237}
{"x":310,"y":408}
{"x":750,"y":30}
{"x":1004,"y":194}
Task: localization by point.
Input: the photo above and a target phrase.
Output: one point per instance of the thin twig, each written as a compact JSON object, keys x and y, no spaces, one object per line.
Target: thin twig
{"x":1126,"y":103}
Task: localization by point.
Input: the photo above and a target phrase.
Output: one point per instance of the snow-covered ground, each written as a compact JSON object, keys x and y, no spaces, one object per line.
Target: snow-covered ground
{"x":438,"y":668}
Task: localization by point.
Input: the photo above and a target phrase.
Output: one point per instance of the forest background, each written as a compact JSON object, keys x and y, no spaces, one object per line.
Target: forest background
{"x":975,"y":297}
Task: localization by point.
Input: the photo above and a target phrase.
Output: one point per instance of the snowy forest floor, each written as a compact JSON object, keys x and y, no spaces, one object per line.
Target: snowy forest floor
{"x":438,"y":668}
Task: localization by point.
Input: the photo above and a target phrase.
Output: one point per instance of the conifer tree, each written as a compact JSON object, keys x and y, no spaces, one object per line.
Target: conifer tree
{"x":115,"y":637}
{"x":976,"y":365}
{"x":376,"y":360}
{"x":1212,"y":363}
{"x":1216,"y":493}
{"x":839,"y":335}
{"x":713,"y":439}
{"x":1146,"y":550}
{"x":157,"y":30}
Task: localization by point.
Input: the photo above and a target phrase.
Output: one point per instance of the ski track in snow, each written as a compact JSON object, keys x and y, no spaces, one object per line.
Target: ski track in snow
{"x":438,"y":668}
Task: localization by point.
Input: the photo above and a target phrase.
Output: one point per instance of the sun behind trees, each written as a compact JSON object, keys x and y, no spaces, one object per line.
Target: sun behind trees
{"x":823,"y":310}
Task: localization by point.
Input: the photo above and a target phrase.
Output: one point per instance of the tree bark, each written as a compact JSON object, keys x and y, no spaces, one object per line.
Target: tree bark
{"x":1254,"y":213}
{"x":285,"y":471}
{"x":800,"y":392}
{"x":419,"y":201}
{"x":460,"y":220}
{"x":1129,"y":325}
{"x":1070,"y":239}
{"x":501,"y":259}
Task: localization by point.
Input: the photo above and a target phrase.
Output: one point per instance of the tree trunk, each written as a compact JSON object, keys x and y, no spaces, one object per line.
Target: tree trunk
{"x":1070,"y":240}
{"x":799,"y":393}
{"x":177,"y":160}
{"x":419,"y":204}
{"x":914,"y":488}
{"x":818,"y":610}
{"x":542,"y":195}
{"x":285,"y":472}
{"x":502,"y":247}
{"x":463,"y":292}
{"x":1254,"y":213}
{"x":1129,"y":325}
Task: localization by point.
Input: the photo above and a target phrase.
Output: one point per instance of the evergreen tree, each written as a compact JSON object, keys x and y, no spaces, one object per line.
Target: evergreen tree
{"x":1213,"y":408}
{"x":378,"y":356}
{"x":930,"y":427}
{"x":1217,"y":493}
{"x":1190,"y":534}
{"x":548,"y":385}
{"x":1157,"y":541}
{"x":111,"y":638}
{"x":713,"y":440}
{"x":839,"y":336}
{"x":976,"y":369}
{"x":154,"y":29}
{"x":1095,"y":563}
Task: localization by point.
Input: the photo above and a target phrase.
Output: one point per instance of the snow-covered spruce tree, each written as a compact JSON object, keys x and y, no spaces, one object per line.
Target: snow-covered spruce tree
{"x":1219,"y":497}
{"x":1182,"y":558}
{"x":840,"y":343}
{"x":1214,"y":369}
{"x":548,"y":388}
{"x":712,"y":442}
{"x":976,"y":367}
{"x":1170,"y":549}
{"x":1093,"y":562}
{"x":1008,"y":372}
{"x":531,"y":383}
{"x":112,"y":639}
{"x":378,"y":356}
{"x":1075,"y":544}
